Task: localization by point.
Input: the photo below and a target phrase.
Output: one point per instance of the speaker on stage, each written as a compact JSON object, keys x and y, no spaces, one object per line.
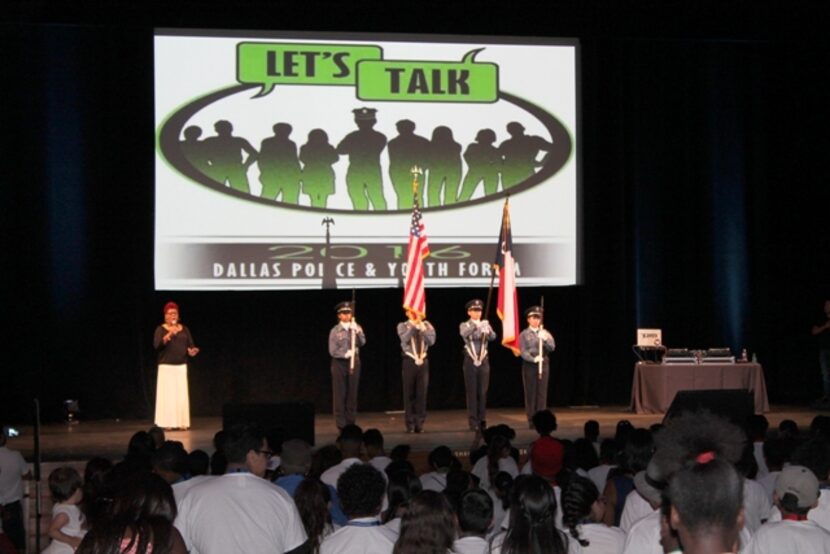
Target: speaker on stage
{"x":289,"y":420}
{"x":736,"y":405}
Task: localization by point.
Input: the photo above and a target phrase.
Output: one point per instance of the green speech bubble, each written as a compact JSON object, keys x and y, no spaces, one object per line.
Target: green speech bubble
{"x":428,"y":81}
{"x":269,"y":63}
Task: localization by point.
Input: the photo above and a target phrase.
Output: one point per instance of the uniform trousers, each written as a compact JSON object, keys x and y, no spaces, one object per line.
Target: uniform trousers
{"x":476,"y":383}
{"x":344,"y":388}
{"x":536,"y":389}
{"x":415,"y":379}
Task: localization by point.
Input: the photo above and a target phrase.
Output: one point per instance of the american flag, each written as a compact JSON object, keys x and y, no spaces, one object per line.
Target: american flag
{"x":414,"y":297}
{"x":508,"y":306}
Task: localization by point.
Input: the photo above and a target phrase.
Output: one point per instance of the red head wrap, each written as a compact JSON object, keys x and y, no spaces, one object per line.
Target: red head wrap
{"x":170,"y":306}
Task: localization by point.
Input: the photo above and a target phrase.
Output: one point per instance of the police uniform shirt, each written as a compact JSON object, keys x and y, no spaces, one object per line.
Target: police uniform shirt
{"x":472,"y":333}
{"x":409,"y":333}
{"x":529,"y":342}
{"x":340,"y":339}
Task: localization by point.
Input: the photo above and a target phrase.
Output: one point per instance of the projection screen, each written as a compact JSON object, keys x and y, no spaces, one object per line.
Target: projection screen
{"x":287,"y":161}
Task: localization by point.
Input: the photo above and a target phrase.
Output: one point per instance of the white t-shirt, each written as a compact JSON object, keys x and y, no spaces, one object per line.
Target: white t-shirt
{"x":332,"y":474}
{"x":758,"y":452}
{"x":12,"y":468}
{"x":635,"y":508}
{"x":644,"y":537}
{"x":380,"y":463}
{"x":768,"y":482}
{"x":599,"y":475}
{"x":180,"y":488}
{"x":507,"y":464}
{"x":790,"y":537}
{"x":756,"y":505}
{"x":434,"y":481}
{"x":360,"y":536}
{"x":74,"y":528}
{"x":557,"y":518}
{"x":239,"y":512}
{"x":470,"y":545}
{"x":602,"y":539}
{"x":573,"y":546}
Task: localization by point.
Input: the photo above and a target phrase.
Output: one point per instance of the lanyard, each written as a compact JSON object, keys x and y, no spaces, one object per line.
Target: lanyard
{"x":355,"y":523}
{"x":415,"y":354}
{"x":470,"y":347}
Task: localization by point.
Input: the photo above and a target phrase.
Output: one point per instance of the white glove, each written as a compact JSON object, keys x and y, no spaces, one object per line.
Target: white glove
{"x":353,"y":326}
{"x":538,"y":358}
{"x":349,"y":353}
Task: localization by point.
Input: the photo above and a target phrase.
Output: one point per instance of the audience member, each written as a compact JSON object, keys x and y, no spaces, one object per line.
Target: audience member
{"x":157,"y":434}
{"x":498,"y":459}
{"x":459,"y":481}
{"x":756,"y":503}
{"x":440,"y":462}
{"x":198,"y":463}
{"x":814,"y":454}
{"x":296,"y":466}
{"x":402,"y":487}
{"x":98,"y":494}
{"x":139,"y":450}
{"x":13,"y":470}
{"x":400,"y":453}
{"x":240,"y":511}
{"x":531,"y":529}
{"x":590,"y":431}
{"x":756,"y":429}
{"x":788,"y":429}
{"x":607,"y":455}
{"x":361,"y":489}
{"x":375,"y":454}
{"x":67,"y":526}
{"x":427,"y":527}
{"x":313,"y":500}
{"x":582,"y":514}
{"x":140,"y":522}
{"x":475,"y":519}
{"x":350,"y":443}
{"x":324,"y":458}
{"x":218,"y":461}
{"x":796,"y":495}
{"x":706,"y":497}
{"x":776,"y":454}
{"x":633,"y":458}
{"x":169,"y":461}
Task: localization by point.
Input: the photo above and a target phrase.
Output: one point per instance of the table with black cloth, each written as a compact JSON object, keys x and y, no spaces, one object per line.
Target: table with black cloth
{"x":655,"y":385}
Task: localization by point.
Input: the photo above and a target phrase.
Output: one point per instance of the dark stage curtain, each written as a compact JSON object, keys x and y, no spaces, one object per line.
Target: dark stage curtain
{"x":704,"y":212}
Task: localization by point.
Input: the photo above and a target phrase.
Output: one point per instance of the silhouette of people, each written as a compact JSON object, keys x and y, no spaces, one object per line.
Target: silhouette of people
{"x":519,"y":154}
{"x":279,"y":167}
{"x":224,"y":153}
{"x":483,"y":164}
{"x":444,"y":168}
{"x":318,"y":156}
{"x":364,"y":182}
{"x":405,"y":151}
{"x":193,"y":149}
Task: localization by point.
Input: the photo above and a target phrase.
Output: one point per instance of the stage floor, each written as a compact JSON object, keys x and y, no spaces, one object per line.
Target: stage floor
{"x":108,"y":438}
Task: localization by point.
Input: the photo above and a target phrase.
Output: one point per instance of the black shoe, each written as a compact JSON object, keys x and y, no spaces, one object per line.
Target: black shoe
{"x":419,"y":429}
{"x":483,"y":426}
{"x":410,"y":430}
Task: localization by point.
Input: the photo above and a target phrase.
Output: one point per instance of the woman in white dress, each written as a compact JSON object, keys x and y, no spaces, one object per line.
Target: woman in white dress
{"x":174,"y":346}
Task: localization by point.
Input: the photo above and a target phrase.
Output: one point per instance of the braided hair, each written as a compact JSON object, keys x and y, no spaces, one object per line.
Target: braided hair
{"x":577,"y":500}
